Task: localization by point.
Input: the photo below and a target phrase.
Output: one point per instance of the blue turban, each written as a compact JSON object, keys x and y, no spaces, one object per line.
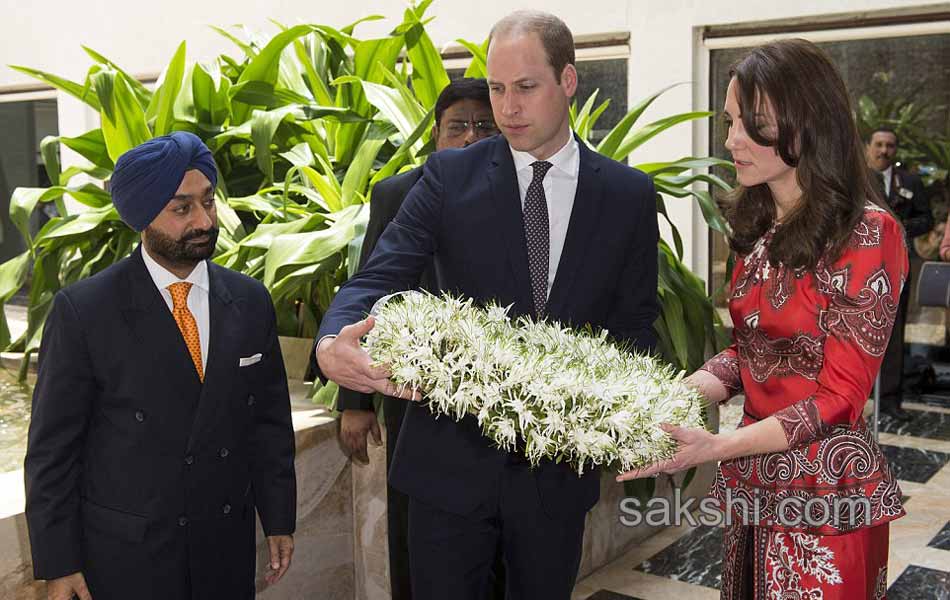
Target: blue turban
{"x":147,"y":176}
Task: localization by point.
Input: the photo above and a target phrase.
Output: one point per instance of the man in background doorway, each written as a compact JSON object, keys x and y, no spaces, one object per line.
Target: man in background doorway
{"x":905,"y":195}
{"x":462,"y":117}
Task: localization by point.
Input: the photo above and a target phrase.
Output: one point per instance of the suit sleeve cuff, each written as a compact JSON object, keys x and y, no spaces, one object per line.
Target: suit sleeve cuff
{"x":348,"y":399}
{"x":315,"y":364}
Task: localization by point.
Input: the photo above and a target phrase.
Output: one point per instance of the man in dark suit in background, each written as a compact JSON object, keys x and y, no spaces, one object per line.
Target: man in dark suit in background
{"x":462,"y":117}
{"x":536,"y":220}
{"x":905,"y":194}
{"x":161,"y":417}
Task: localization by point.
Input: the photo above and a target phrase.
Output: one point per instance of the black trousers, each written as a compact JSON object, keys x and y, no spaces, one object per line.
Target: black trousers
{"x":453,"y":555}
{"x":892,"y":366}
{"x":397,"y":507}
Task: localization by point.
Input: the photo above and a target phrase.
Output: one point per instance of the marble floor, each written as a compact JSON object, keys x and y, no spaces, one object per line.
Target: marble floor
{"x":684,"y":562}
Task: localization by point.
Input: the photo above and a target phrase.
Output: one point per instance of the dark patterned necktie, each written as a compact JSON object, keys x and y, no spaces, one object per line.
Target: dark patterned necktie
{"x":538,"y":235}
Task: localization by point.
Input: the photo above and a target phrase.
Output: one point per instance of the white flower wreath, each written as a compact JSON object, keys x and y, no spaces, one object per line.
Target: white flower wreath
{"x":568,"y":395}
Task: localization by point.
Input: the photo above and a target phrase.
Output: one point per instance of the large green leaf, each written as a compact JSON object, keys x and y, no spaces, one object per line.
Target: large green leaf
{"x":244,"y":46}
{"x":677,"y":240}
{"x":611,"y":143}
{"x":326,"y":184}
{"x":478,"y":67}
{"x":675,"y":319}
{"x":357,"y":175}
{"x":372,"y":60}
{"x":635,"y":139}
{"x":162,"y":105}
{"x":23,"y":203}
{"x":77,"y":225}
{"x":142,"y":94}
{"x":429,"y":77}
{"x":291,"y":75}
{"x":228,"y":219}
{"x":83,"y":92}
{"x":12,"y":277}
{"x":399,"y":108}
{"x":312,"y":57}
{"x":49,"y":150}
{"x":404,"y":153}
{"x":264,"y":67}
{"x":289,"y":250}
{"x":264,"y":125}
{"x":123,"y":120}
{"x":289,"y":283}
{"x":584,"y":122}
{"x":348,"y":29}
{"x":211,"y":95}
{"x":684,"y":164}
{"x":91,"y":146}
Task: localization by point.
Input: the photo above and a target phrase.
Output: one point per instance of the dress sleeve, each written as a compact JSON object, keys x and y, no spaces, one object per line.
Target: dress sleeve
{"x":725,"y":367}
{"x":862,"y":290}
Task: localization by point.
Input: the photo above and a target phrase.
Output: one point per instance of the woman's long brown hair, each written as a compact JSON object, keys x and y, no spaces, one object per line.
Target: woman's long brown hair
{"x":817,"y":135}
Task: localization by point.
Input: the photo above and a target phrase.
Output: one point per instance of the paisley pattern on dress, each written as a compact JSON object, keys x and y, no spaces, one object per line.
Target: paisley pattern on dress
{"x":802,"y":422}
{"x":843,"y":478}
{"x":807,"y":346}
{"x":800,"y":566}
{"x":726,"y":369}
{"x":766,"y":357}
{"x":868,"y":318}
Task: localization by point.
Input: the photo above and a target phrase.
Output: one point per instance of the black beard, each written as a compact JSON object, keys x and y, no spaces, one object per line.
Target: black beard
{"x":181,"y":252}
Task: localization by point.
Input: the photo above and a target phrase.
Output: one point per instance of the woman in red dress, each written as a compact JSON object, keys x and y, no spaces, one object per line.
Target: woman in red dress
{"x":820,"y":266}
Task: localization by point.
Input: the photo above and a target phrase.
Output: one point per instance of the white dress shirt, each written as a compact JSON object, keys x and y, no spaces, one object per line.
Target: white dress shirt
{"x":560,"y":186}
{"x":197,"y":296}
{"x":888,"y":175}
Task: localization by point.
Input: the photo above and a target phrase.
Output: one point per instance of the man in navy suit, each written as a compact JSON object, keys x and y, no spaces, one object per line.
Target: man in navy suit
{"x":161,"y":419}
{"x":905,"y":194}
{"x":462,"y":117}
{"x":536,"y":220}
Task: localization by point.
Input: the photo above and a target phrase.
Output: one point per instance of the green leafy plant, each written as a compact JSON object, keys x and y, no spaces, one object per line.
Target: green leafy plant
{"x":302,"y":125}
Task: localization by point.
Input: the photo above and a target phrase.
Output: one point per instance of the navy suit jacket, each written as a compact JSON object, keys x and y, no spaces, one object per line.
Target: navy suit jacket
{"x":137,"y":473}
{"x":465,"y":214}
{"x":384,"y":203}
{"x":908,"y":200}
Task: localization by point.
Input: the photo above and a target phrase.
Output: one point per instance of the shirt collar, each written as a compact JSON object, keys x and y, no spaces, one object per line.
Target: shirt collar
{"x":164,"y":278}
{"x":888,"y":173}
{"x":566,"y":160}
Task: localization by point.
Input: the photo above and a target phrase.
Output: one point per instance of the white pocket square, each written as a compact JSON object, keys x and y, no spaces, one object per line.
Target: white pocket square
{"x":250,"y":360}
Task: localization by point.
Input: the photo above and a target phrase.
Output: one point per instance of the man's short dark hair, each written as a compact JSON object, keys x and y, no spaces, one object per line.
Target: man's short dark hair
{"x":556,"y":39}
{"x":466,"y":88}
{"x":884,"y":129}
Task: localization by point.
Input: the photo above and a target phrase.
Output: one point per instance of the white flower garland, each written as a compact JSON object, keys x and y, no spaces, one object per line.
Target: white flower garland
{"x":570,"y":396}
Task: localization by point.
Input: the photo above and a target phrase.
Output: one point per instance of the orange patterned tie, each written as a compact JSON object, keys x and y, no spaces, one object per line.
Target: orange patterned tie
{"x":186,"y":323}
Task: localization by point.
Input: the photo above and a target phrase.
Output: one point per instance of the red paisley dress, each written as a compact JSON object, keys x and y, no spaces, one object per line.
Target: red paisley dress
{"x":807,"y":348}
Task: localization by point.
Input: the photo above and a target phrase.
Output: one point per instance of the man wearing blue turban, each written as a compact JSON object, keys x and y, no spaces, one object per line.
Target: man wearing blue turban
{"x":161,"y":416}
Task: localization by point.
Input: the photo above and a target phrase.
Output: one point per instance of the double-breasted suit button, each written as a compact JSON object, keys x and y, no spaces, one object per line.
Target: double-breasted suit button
{"x":226,"y":509}
{"x":140,"y":416}
{"x":189,"y":460}
{"x":223,"y":453}
{"x":250,"y":400}
{"x":182,"y":521}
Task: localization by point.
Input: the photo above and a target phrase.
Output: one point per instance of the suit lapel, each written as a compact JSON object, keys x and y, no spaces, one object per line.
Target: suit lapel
{"x":224,"y":318}
{"x":154,"y":327}
{"x":507,"y":200}
{"x":585,"y":215}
